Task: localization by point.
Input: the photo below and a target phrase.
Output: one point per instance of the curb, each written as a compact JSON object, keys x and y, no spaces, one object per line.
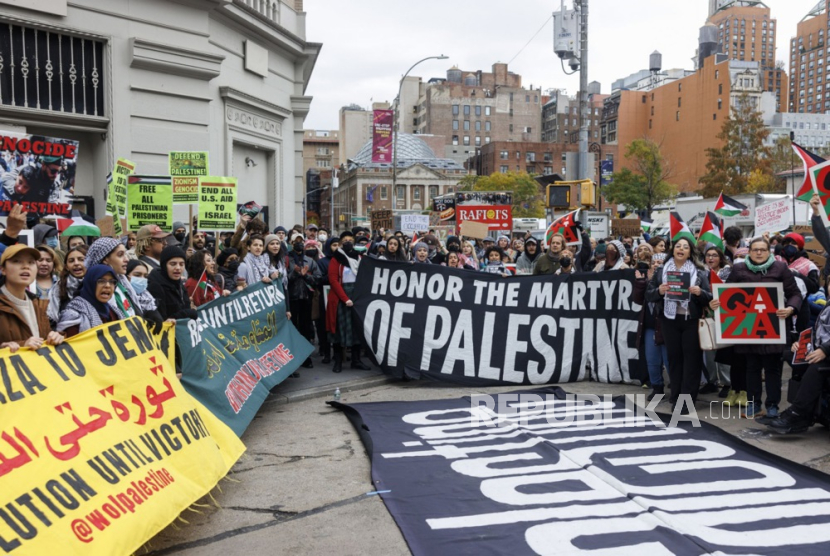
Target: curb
{"x":326,"y":391}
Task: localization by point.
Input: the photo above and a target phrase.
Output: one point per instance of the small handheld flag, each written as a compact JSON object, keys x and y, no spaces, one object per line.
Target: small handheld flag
{"x":565,"y":225}
{"x":809,"y":160}
{"x":714,"y":278}
{"x":679,"y":229}
{"x":727,"y":206}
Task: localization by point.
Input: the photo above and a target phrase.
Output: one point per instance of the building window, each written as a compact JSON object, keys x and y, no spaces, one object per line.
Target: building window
{"x":478,"y":141}
{"x":466,"y":109}
{"x":416,"y":193}
{"x":720,"y":88}
{"x":548,"y":170}
{"x":487,"y":140}
{"x":466,"y":125}
{"x":323,"y":150}
{"x":649,"y":124}
{"x":503,"y":169}
{"x":504,"y":155}
{"x":487,"y":125}
{"x":455,"y":125}
{"x":466,"y":140}
{"x":486,"y":110}
{"x":478,"y":125}
{"x":518,"y":155}
{"x":401,"y":192}
{"x":455,"y":110}
{"x":433,"y":191}
{"x":679,"y":87}
{"x":677,"y":116}
{"x":478,"y":111}
{"x":679,"y":101}
{"x":511,"y":128}
{"x":717,"y":74}
{"x":455,"y":139}
{"x":714,"y":116}
{"x":384,"y":192}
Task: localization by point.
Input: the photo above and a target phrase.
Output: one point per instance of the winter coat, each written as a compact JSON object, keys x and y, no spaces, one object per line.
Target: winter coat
{"x":13,"y":327}
{"x":524,"y":265}
{"x":699,"y":303}
{"x":777,"y":273}
{"x":299,"y":286}
{"x":337,"y":294}
{"x":171,"y":298}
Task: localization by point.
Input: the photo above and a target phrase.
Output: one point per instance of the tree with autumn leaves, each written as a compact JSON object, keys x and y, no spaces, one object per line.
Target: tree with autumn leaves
{"x":743,"y":164}
{"x":646,"y":185}
{"x":528,"y":200}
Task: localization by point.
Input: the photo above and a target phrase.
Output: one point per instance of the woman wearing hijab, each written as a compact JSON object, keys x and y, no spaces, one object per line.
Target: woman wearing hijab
{"x":69,"y":284}
{"x":125,"y":301}
{"x":679,"y":319}
{"x":614,"y":257}
{"x":90,"y":308}
{"x":165,"y":284}
{"x":277,"y":251}
{"x":342,"y":322}
{"x":228,"y":263}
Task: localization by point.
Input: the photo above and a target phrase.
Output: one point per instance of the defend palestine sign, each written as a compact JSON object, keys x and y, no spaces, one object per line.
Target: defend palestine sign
{"x":537,"y":473}
{"x":149,"y":201}
{"x":476,"y":328}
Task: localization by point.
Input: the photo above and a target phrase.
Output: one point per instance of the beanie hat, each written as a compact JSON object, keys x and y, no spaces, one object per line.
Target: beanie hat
{"x":223,"y":256}
{"x":171,"y":252}
{"x":600,"y":250}
{"x":420,"y":245}
{"x":797,"y":238}
{"x":280,"y":229}
{"x":269,"y":238}
{"x":177,"y":225}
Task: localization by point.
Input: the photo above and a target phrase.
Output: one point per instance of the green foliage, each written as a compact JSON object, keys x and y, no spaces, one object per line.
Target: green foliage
{"x":743,"y":154}
{"x":646,"y":186}
{"x":528,"y":199}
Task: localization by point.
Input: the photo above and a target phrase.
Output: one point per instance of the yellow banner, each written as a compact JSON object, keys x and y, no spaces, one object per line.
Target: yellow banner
{"x":100,"y":446}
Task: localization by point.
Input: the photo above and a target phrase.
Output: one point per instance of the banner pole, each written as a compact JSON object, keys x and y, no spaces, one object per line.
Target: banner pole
{"x":192,"y":227}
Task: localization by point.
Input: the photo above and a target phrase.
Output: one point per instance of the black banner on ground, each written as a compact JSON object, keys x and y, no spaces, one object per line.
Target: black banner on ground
{"x":479,"y":328}
{"x":527,"y":473}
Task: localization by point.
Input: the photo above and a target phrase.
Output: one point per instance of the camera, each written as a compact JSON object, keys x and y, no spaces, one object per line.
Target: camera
{"x":643,"y":266}
{"x":565,"y":262}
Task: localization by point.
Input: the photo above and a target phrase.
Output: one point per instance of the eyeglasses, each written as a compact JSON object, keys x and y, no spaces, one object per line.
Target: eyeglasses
{"x":712,"y":256}
{"x":105,"y":282}
{"x":760,"y":250}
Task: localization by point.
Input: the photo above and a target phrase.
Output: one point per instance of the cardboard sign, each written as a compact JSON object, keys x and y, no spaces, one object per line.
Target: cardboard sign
{"x":188,"y":163}
{"x":414,"y":223}
{"x":747,"y":314}
{"x":476,"y":230}
{"x":625,"y":227}
{"x":773,"y":217}
{"x":107,"y":226}
{"x":679,"y":284}
{"x":382,"y":219}
{"x":805,"y":347}
{"x":117,"y":194}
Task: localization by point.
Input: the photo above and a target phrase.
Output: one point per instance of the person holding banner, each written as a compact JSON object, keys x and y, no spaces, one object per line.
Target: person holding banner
{"x":256,"y":266}
{"x":303,"y":276}
{"x":394,"y":251}
{"x":90,"y":308}
{"x":680,"y":316}
{"x":69,"y":283}
{"x":343,"y":324}
{"x":203,"y":284}
{"x":23,"y":319}
{"x":167,"y":287}
{"x":761,"y":266}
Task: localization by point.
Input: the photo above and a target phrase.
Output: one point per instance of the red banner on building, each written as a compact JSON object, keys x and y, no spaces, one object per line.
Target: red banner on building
{"x":382,"y":136}
{"x":497,"y":217}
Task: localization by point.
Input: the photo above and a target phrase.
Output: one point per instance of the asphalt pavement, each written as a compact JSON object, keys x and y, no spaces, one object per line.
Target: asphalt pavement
{"x":301,"y":487}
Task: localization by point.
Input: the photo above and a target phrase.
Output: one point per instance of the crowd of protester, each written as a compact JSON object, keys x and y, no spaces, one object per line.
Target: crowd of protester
{"x":64,"y":286}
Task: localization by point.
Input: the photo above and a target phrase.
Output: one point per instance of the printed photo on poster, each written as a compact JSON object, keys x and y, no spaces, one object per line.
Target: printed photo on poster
{"x":37,"y":172}
{"x":747,"y":314}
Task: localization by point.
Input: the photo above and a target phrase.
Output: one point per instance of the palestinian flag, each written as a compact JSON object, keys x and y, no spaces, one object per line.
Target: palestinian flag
{"x":565,"y":225}
{"x":77,"y":226}
{"x":679,"y":229}
{"x":820,"y":174}
{"x":809,"y":160}
{"x":712,"y":230}
{"x":714,"y":278}
{"x":646,"y":225}
{"x":727,"y":206}
{"x":203,"y":283}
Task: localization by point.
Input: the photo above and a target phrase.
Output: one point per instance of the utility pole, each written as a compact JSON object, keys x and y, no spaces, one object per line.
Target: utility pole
{"x":584,"y":106}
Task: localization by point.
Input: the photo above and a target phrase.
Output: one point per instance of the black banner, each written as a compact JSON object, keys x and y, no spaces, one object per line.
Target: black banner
{"x":479,"y":328}
{"x":538,"y":473}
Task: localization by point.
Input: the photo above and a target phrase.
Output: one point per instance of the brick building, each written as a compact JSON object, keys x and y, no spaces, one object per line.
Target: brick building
{"x":320,"y":153}
{"x":747,"y":32}
{"x":473,"y":108}
{"x":533,"y":157}
{"x":809,"y":74}
{"x":683,"y":116}
{"x":560,"y":116}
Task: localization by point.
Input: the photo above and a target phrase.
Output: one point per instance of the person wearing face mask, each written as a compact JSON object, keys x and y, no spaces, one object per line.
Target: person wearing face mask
{"x":453,"y":244}
{"x":342,"y":322}
{"x":69,"y":283}
{"x":137,"y":273}
{"x":90,"y":308}
{"x":322,"y":236}
{"x":228,"y":261}
{"x":179,"y":232}
{"x":331,"y":245}
{"x":44,"y":234}
{"x":166,"y":286}
{"x":303,"y":276}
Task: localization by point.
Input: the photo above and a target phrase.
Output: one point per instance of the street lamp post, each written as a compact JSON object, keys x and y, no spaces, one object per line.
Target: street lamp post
{"x":395,"y":130}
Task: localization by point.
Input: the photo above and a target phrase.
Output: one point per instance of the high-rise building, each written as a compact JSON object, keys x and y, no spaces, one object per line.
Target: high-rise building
{"x":809,"y":75}
{"x":356,"y":128}
{"x":747,"y":32}
{"x":320,"y":155}
{"x":560,"y":116}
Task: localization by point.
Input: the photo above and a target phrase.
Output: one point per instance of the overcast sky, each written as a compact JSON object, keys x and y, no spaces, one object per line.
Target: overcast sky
{"x":369,"y":44}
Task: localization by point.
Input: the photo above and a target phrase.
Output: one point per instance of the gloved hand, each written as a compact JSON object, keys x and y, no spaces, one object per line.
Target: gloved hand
{"x":154,"y":321}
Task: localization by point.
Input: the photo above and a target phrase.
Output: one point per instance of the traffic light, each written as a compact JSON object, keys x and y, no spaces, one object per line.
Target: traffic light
{"x":558,"y":196}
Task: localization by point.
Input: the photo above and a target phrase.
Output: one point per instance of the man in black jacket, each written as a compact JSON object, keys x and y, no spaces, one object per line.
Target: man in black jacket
{"x":303,"y":277}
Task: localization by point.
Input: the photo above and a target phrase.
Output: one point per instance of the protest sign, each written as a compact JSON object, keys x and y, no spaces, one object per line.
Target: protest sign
{"x":774,"y":216}
{"x":185,"y":190}
{"x":382,"y":219}
{"x":477,"y":230}
{"x":497,"y":217}
{"x":240,"y":348}
{"x":679,"y":284}
{"x":445,"y":207}
{"x":747,"y":314}
{"x":597,"y":225}
{"x":118,"y":448}
{"x":625,"y":227}
{"x":805,"y":347}
{"x":117,"y":193}
{"x":414,"y":223}
{"x":149,"y":201}
{"x":481,"y":329}
{"x":188,"y":163}
{"x":40,"y":174}
{"x":217,"y":203}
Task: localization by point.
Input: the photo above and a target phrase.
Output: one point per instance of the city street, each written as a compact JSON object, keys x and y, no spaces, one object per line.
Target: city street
{"x":301,"y":488}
